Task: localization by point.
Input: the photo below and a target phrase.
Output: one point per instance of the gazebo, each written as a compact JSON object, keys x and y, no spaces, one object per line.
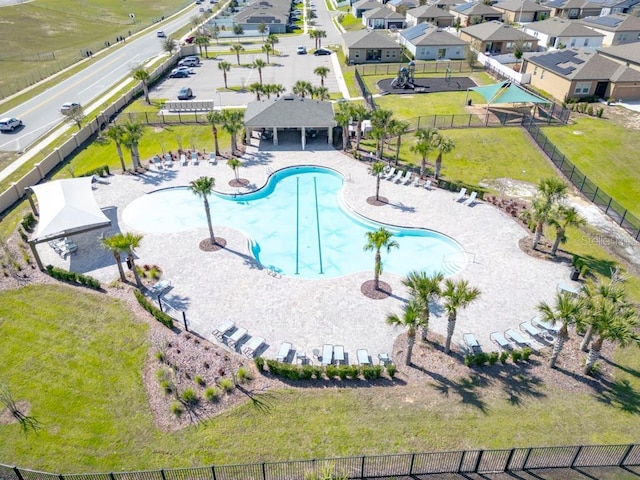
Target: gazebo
{"x":67,"y":207}
{"x":505,"y":92}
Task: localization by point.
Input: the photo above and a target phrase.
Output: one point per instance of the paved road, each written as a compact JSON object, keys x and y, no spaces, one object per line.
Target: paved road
{"x":42,"y":113}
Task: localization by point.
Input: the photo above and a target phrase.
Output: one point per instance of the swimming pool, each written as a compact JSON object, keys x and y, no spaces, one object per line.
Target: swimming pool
{"x":298,"y":225}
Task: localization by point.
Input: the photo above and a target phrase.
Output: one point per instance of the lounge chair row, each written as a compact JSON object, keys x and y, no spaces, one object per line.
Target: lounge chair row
{"x":167,"y":162}
{"x":535,"y":330}
{"x":470,"y":200}
{"x":233,"y":336}
{"x":63,"y":246}
{"x":335,"y":355}
{"x":404,"y":178}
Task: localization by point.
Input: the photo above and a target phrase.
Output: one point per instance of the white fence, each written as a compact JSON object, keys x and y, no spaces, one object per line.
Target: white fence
{"x":496,"y":62}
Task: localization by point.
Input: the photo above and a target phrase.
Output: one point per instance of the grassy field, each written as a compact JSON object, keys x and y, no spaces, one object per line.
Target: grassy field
{"x":48,"y":33}
{"x":80,"y":374}
{"x":606,"y":153}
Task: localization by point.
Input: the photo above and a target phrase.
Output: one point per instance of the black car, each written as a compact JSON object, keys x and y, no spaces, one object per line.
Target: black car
{"x":179,"y":74}
{"x":322,"y":51}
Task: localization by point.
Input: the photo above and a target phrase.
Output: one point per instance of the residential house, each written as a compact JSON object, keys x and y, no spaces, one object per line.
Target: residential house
{"x":522,"y":11}
{"x":431,"y":14}
{"x":498,"y":38}
{"x":382,"y":18}
{"x":617,"y":28}
{"x":358,"y":8}
{"x":555,"y":33}
{"x":574,"y":9}
{"x":445,"y":4}
{"x":471,"y":13}
{"x":401,"y":6}
{"x":275,"y":15}
{"x":572,"y":72}
{"x":365,"y":46}
{"x":618,"y":6}
{"x":626,"y":54}
{"x":429,"y":42}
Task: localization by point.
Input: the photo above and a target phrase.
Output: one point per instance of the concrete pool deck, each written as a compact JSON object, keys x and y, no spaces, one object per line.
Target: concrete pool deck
{"x":228,"y":285}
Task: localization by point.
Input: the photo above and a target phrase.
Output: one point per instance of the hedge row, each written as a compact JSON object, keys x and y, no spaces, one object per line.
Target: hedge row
{"x":158,"y":314}
{"x":482,"y":358}
{"x":102,"y":171}
{"x":307,"y":372}
{"x":77,"y":278}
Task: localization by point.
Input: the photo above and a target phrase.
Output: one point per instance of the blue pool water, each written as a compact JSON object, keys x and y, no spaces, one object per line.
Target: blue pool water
{"x":297,"y":225}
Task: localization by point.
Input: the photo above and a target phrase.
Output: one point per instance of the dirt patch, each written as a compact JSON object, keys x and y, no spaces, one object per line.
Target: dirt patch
{"x":377,"y":202}
{"x":369,"y":289}
{"x":206,"y":245}
{"x":239,"y":182}
{"x":7,"y":418}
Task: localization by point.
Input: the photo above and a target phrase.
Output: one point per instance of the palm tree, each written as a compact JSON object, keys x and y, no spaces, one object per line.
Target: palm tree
{"x":256,"y":88}
{"x":169,"y":45}
{"x":301,"y":88}
{"x":272,"y":39}
{"x":114,"y":245}
{"x":424,"y":289}
{"x":411,"y":321}
{"x":215,"y":118}
{"x":379,"y":125}
{"x":376,"y":241}
{"x":561,"y":219}
{"x":343,"y":119}
{"x":262,"y":29}
{"x":235,"y":164}
{"x":132,"y":134}
{"x":225,"y":67}
{"x":131,"y":241}
{"x":565,"y":311}
{"x":237,"y":49}
{"x":267,"y":48}
{"x":313,"y":34}
{"x":320,"y":34}
{"x":203,"y":187}
{"x":321,"y":93}
{"x":202,"y":41}
{"x":232,"y":123}
{"x":215,"y":32}
{"x":550,"y":191}
{"x":359,"y":114}
{"x":237,"y":31}
{"x":140,"y":74}
{"x":398,"y":128}
{"x":278,"y":89}
{"x":377,"y":169}
{"x":117,"y":134}
{"x":322,"y":72}
{"x":443,"y":145}
{"x":259,"y":64}
{"x":424,"y":145}
{"x":456,"y":295}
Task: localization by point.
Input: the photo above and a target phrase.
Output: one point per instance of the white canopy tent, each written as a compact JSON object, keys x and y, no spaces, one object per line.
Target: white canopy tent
{"x":67,"y":207}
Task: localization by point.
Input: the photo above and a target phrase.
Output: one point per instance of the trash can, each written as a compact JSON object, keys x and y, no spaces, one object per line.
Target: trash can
{"x":575,"y":274}
{"x":469,"y":102}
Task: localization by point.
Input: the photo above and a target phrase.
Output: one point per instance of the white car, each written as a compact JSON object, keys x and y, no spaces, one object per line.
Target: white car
{"x":301,"y":50}
{"x":160,"y":34}
{"x":9,"y":124}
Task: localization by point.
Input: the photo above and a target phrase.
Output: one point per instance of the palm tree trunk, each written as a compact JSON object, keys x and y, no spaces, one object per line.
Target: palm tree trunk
{"x":225,"y":80}
{"x":119,"y":264}
{"x":587,"y":338}
{"x":345,"y":138}
{"x":134,"y":269}
{"x":557,"y":346}
{"x":423,"y":166}
{"x":451,"y":326}
{"x":398,"y":148}
{"x":215,"y":141}
{"x":594,"y":355}
{"x":438,"y":166}
{"x":234,"y":144}
{"x":424,"y":331}
{"x":121,"y":157}
{"x":537,"y":235}
{"x":358,"y":135}
{"x":556,"y":243}
{"x":377,"y":186}
{"x":376,"y":270}
{"x":411,"y":339}
{"x":212,"y":238}
{"x":146,"y":93}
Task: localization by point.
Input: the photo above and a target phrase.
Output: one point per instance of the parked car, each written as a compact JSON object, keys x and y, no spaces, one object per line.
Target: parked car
{"x":9,"y":124}
{"x":189,"y":70}
{"x":189,"y":62}
{"x":189,"y":40}
{"x":160,"y":34}
{"x":69,"y":107}
{"x":185,"y":93}
{"x":178,"y":74}
{"x":301,"y":50}
{"x":322,"y":51}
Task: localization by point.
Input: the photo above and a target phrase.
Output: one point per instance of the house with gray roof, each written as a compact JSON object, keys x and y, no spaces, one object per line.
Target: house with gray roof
{"x":370,"y":46}
{"x":383,"y":18}
{"x":496,"y":38}
{"x":575,"y":9}
{"x":274,"y":14}
{"x":522,"y":11}
{"x":292,"y":116}
{"x":445,"y":4}
{"x":430,"y":14}
{"x":471,"y":13}
{"x":555,"y":33}
{"x":358,"y":8}
{"x":429,"y":42}
{"x":617,"y":28}
{"x":401,"y":6}
{"x":578,"y":73}
{"x":626,"y":54}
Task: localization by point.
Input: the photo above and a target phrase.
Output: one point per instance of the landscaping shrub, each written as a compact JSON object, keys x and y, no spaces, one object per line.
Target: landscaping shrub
{"x":526,"y":353}
{"x":167,"y":386}
{"x":468,"y":359}
{"x":480,"y":359}
{"x":331,"y":371}
{"x":189,"y":398}
{"x":516,"y":355}
{"x":71,"y":277}
{"x":226,"y":384}
{"x":199,"y":380}
{"x":160,"y":356}
{"x":342,"y":372}
{"x":28,"y":221}
{"x":306,"y":372}
{"x":158,"y":314}
{"x":177,"y":409}
{"x":273,"y":366}
{"x":493,"y":358}
{"x":352,"y":371}
{"x":391,"y":370}
{"x":317,"y":372}
{"x":259,"y":361}
{"x":504,"y":355}
{"x":211,"y":395}
{"x":100,"y":172}
{"x":243,"y":375}
{"x":371,"y":372}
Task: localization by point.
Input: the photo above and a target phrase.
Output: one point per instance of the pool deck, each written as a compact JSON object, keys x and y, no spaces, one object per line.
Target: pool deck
{"x":228,"y":285}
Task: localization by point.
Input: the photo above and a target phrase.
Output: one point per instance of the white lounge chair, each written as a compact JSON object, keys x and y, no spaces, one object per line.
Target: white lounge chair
{"x":212,"y":158}
{"x":565,"y":288}
{"x":553,"y":329}
{"x":157,"y":162}
{"x":159,"y":288}
{"x":407,"y":177}
{"x":515,"y":336}
{"x":498,"y":339}
{"x":338,"y":355}
{"x":222,"y":330}
{"x":283,"y":354}
{"x":327,"y":354}
{"x":471,"y":342}
{"x":461,"y":194}
{"x":427,"y":184}
{"x":384,"y":359}
{"x":236,"y":337}
{"x":251,"y":347}
{"x":363,"y":357}
{"x":183,"y":160}
{"x":471,"y":200}
{"x":530,"y":330}
{"x":390,"y":173}
{"x":168,"y":160}
{"x":397,"y":177}
{"x":194,"y":158}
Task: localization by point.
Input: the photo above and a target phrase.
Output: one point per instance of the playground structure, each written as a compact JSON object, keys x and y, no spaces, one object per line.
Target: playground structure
{"x":405,"y":78}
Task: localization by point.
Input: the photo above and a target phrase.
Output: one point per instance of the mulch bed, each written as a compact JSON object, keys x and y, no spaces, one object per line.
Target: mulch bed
{"x":207,"y":246}
{"x":368,"y":289}
{"x":429,"y":85}
{"x":381,"y":201}
{"x":240,"y":182}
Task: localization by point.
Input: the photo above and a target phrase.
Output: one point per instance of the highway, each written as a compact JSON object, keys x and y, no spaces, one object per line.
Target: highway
{"x":42,"y":113}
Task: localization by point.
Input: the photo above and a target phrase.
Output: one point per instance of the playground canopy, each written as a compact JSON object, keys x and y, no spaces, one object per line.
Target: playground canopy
{"x":506,"y":92}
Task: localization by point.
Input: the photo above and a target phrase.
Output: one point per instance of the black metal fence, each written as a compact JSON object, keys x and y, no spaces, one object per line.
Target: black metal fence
{"x":601,"y":199}
{"x":470,"y":461}
{"x":368,"y":97}
{"x":420,"y":67}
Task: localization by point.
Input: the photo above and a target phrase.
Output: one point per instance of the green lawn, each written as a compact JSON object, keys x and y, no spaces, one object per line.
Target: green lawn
{"x":351,"y":23}
{"x":606,"y":153}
